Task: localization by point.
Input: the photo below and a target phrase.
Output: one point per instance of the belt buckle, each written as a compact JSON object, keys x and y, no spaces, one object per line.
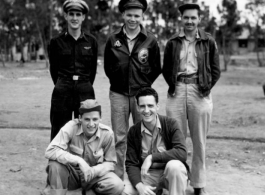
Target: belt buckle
{"x":187,"y":81}
{"x":75,"y":77}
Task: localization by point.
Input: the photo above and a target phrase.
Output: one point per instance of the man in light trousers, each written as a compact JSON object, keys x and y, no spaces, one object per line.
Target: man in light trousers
{"x":191,"y":69}
{"x":131,"y":61}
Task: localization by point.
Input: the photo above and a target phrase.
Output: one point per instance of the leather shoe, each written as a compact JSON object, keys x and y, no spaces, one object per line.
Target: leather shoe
{"x":200,"y":191}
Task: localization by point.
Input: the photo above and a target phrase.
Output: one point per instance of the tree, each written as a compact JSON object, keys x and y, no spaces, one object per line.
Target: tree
{"x":229,"y":28}
{"x":256,"y":9}
{"x":165,"y":17}
{"x":211,"y":26}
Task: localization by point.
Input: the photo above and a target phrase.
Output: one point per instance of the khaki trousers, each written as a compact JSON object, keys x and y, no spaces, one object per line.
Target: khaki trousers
{"x":66,"y":177}
{"x":173,"y":178}
{"x":192,"y":111}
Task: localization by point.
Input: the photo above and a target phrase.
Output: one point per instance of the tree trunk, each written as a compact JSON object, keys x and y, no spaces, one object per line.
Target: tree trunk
{"x":2,"y":59}
{"x":226,"y":53}
{"x":22,"y":60}
{"x":43,"y":43}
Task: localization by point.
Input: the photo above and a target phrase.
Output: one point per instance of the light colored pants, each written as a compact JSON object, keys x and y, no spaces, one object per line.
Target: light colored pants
{"x":66,"y":177}
{"x":188,"y":107}
{"x":173,"y":178}
{"x":121,"y":107}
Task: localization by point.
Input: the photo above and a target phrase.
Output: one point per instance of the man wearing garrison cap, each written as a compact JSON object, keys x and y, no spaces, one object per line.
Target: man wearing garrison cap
{"x":82,"y":155}
{"x":191,"y":69}
{"x":131,"y":61}
{"x":73,"y":65}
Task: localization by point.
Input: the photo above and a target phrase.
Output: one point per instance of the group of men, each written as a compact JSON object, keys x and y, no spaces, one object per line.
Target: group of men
{"x":86,"y":154}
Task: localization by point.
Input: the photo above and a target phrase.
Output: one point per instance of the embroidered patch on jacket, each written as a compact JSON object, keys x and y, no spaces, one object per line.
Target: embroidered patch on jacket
{"x":87,"y":48}
{"x":117,"y":44}
{"x":143,"y":55}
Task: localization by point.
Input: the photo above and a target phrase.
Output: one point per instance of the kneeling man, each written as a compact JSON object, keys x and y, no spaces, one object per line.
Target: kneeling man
{"x":82,"y":155}
{"x":156,"y":150}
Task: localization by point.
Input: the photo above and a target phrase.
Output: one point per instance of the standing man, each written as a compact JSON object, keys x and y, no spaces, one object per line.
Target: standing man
{"x":191,"y":69}
{"x":73,"y":65}
{"x":131,"y":61}
{"x":156,"y":150}
{"x":82,"y":155}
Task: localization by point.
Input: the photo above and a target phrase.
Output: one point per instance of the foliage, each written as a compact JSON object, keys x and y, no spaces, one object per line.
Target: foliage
{"x":256,"y":9}
{"x":229,"y":28}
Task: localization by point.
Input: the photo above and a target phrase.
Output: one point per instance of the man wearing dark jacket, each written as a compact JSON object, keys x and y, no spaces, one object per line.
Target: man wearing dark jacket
{"x":191,"y":69}
{"x":131,"y":61}
{"x":156,"y":151}
{"x":73,"y":65}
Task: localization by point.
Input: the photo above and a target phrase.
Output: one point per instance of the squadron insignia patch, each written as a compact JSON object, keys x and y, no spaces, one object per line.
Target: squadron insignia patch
{"x":143,"y":55}
{"x":117,"y":44}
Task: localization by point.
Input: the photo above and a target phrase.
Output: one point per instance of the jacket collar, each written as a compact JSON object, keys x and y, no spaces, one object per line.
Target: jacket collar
{"x":202,"y":35}
{"x":82,"y":35}
{"x":120,"y":31}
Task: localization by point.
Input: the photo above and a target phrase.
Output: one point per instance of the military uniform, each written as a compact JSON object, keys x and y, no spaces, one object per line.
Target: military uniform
{"x":73,"y":144}
{"x":73,"y":65}
{"x":130,"y":63}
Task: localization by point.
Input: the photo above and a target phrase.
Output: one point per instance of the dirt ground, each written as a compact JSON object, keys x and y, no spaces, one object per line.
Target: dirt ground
{"x":236,"y":144}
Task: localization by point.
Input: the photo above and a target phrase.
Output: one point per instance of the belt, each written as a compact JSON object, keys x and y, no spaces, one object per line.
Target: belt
{"x":187,"y":80}
{"x":75,"y":78}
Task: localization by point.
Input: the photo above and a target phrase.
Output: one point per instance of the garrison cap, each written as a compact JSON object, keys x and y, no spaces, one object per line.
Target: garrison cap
{"x":126,"y":4}
{"x":79,"y":5}
{"x":186,"y":6}
{"x":89,"y":105}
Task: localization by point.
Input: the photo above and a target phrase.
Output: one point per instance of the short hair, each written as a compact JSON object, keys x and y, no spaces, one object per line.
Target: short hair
{"x":146,"y":91}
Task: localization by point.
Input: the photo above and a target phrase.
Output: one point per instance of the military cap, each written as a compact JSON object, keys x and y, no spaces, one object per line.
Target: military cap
{"x":186,"y":6}
{"x":127,"y":4}
{"x":89,"y":105}
{"x":78,"y":5}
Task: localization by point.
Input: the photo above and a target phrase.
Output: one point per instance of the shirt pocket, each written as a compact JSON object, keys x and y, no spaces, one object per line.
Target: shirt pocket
{"x":99,"y":156}
{"x":76,"y":150}
{"x":87,"y":52}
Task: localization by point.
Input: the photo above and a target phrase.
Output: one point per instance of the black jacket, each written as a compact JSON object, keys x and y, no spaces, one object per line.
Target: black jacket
{"x":128,"y":72}
{"x":70,"y":57}
{"x":207,"y":57}
{"x":174,"y":141}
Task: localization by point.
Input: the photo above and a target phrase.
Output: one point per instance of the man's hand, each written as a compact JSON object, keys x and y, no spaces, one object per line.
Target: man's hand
{"x":86,"y":169}
{"x":146,"y":165}
{"x":145,"y":189}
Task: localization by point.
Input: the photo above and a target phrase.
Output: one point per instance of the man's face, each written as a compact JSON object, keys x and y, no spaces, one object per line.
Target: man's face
{"x":74,"y":19}
{"x":132,"y":18}
{"x":190,"y":19}
{"x":90,"y":122}
{"x":148,"y":108}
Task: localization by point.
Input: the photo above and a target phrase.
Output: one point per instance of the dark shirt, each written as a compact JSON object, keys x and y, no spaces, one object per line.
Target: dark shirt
{"x":70,"y":57}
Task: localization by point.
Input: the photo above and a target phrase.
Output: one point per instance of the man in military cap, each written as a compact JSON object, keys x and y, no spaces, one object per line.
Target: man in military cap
{"x":191,"y":69}
{"x":73,"y":64}
{"x":131,"y":61}
{"x":82,"y":155}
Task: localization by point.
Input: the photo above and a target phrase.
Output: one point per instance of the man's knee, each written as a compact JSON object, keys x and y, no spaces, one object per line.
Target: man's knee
{"x":57,"y":170}
{"x":118,"y":186}
{"x":175,"y":167}
{"x":113,"y":185}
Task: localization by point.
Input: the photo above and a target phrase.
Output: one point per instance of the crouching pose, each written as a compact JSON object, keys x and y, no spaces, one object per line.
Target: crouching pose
{"x":156,"y":151}
{"x":82,"y":155}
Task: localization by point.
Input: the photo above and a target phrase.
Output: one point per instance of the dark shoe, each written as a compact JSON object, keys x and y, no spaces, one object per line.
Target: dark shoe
{"x":200,"y":191}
